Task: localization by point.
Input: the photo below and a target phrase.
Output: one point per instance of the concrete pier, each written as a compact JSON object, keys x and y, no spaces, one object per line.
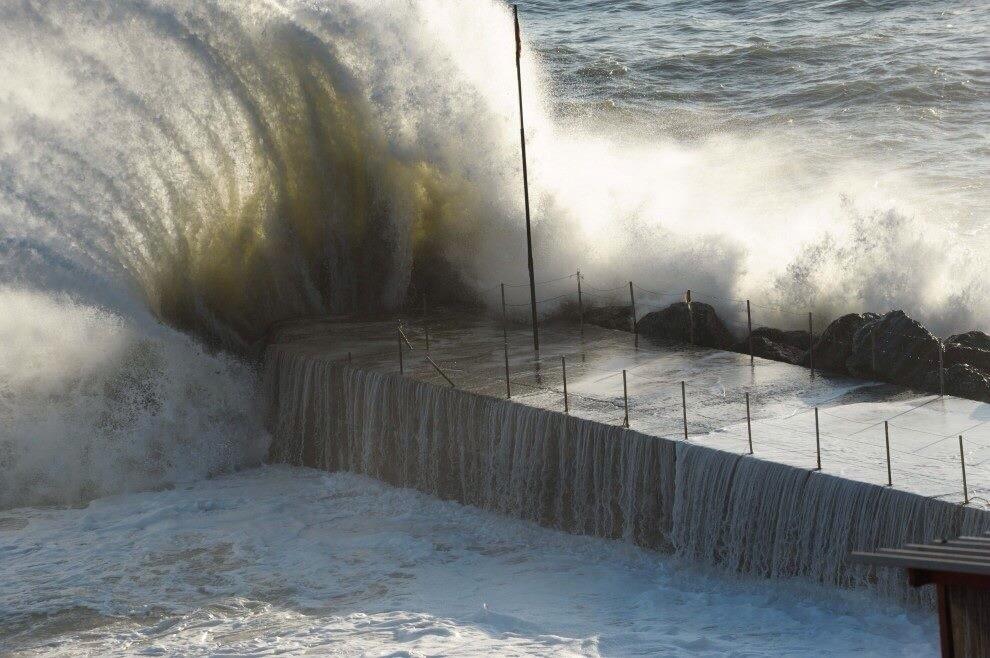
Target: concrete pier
{"x":702,"y":499}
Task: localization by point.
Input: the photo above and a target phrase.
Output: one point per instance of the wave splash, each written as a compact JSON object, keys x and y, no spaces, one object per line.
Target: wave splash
{"x":175,"y":174}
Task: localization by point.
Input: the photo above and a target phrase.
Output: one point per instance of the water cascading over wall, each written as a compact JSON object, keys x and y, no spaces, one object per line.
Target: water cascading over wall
{"x":583,"y":476}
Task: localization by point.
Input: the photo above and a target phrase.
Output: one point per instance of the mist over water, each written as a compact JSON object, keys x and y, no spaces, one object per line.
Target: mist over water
{"x":177,"y":176}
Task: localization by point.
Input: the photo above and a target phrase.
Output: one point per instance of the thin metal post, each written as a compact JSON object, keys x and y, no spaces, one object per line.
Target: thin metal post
{"x":962,"y":462}
{"x":563,"y":370}
{"x":580,"y":304}
{"x":522,"y":139}
{"x":687,"y":300}
{"x":811,"y":344}
{"x":818,"y":443}
{"x":398,"y":335}
{"x":505,"y":344}
{"x":886,"y":438}
{"x":632,"y":311}
{"x":440,"y":370}
{"x":941,"y":368}
{"x":508,"y":389}
{"x":625,"y":398}
{"x":684,"y":408}
{"x":749,"y":323}
{"x":749,"y":426}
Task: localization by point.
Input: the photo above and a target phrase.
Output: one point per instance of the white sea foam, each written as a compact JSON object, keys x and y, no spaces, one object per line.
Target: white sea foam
{"x":289,"y":561}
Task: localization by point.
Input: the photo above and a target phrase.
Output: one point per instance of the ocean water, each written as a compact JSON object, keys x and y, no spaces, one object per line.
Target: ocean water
{"x":283,"y":561}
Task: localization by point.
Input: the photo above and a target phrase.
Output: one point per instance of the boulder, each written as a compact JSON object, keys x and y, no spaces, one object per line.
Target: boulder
{"x":776,"y":344}
{"x":905,"y":352}
{"x":971,"y":348}
{"x":835,"y":345}
{"x":799,"y":338}
{"x":610,"y":317}
{"x":696,"y":322}
{"x":963,"y":381}
{"x":974,"y":339}
{"x":767,"y":349}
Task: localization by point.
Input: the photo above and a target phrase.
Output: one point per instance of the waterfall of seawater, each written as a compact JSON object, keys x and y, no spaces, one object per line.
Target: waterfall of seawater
{"x":582,"y":476}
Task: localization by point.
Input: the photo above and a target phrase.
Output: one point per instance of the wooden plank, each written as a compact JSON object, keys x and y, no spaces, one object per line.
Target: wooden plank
{"x":949,"y":549}
{"x":920,"y":561}
{"x":983,"y":539}
{"x":948,"y":558}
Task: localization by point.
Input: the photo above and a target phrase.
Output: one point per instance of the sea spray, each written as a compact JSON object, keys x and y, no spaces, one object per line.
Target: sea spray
{"x":215,"y":167}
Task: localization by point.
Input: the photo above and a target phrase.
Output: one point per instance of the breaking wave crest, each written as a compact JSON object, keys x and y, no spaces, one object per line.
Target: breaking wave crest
{"x":177,"y":174}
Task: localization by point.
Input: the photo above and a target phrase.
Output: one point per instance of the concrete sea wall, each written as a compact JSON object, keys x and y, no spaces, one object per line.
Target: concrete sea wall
{"x":581,"y":476}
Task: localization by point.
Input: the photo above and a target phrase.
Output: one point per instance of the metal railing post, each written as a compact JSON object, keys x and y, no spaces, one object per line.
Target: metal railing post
{"x":749,"y":323}
{"x":580,"y":304}
{"x":941,"y":368}
{"x":625,"y":398}
{"x":563,"y":369}
{"x":632,"y":311}
{"x":684,"y":408}
{"x":886,"y":438}
{"x":811,"y":344}
{"x":440,"y":370}
{"x":818,"y":443}
{"x":962,"y":462}
{"x":508,"y":388}
{"x":749,"y":426}
{"x":687,"y":301}
{"x":505,"y":345}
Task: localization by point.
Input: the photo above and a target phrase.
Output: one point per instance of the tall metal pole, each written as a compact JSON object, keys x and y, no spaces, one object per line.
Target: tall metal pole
{"x":522,"y":139}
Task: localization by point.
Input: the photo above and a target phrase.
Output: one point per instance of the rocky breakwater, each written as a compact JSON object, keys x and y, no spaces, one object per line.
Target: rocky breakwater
{"x":891,"y":347}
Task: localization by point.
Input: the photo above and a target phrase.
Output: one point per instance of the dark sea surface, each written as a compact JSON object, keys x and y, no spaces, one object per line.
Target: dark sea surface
{"x":904,"y":84}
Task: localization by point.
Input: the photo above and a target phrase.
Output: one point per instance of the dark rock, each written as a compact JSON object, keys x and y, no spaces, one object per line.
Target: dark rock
{"x":834,"y":347}
{"x":684,"y":322}
{"x":971,"y":348}
{"x":768,"y":349}
{"x":776,"y":344}
{"x":905,"y":352}
{"x":974,"y":339}
{"x":798,"y":339}
{"x":610,"y":317}
{"x":963,"y":381}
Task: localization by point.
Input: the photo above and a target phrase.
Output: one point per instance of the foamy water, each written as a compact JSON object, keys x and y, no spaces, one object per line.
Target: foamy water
{"x":294,"y":561}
